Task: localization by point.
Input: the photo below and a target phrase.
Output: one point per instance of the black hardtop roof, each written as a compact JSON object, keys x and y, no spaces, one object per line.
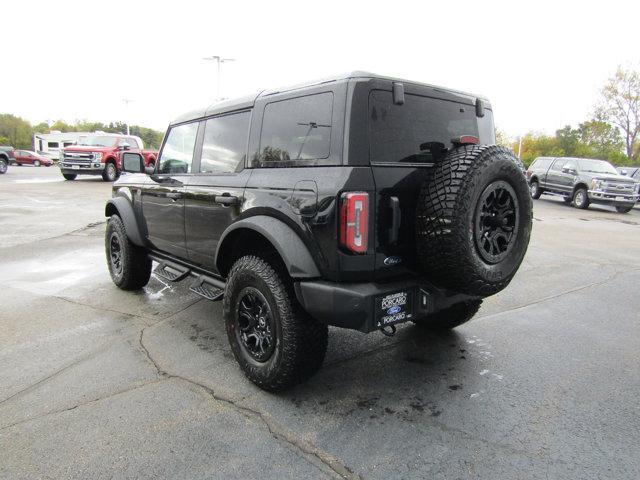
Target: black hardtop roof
{"x":248,"y":101}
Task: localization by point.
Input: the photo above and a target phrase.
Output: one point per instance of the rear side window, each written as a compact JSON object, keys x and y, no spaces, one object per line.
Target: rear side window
{"x":177,"y":153}
{"x":296,"y":132}
{"x":421,"y":129}
{"x":225,"y":143}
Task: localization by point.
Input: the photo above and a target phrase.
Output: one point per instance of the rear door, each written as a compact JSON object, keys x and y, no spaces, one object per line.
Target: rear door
{"x":405,"y":140}
{"x":216,"y":191}
{"x":163,"y":195}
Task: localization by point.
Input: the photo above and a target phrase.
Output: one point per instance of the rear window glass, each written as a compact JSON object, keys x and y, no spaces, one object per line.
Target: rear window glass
{"x":420,"y":130}
{"x":296,"y":132}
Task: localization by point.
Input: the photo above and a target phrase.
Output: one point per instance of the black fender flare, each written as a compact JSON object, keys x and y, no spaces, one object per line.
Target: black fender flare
{"x":292,"y":250}
{"x":122,"y":207}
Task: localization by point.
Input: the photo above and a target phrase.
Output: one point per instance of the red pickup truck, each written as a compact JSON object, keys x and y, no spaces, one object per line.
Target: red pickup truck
{"x":101,"y":154}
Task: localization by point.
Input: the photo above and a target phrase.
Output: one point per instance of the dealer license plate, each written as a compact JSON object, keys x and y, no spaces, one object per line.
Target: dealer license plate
{"x":394,"y":308}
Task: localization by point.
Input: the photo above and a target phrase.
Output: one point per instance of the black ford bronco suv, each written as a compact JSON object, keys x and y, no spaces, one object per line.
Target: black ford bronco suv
{"x":359,"y":202}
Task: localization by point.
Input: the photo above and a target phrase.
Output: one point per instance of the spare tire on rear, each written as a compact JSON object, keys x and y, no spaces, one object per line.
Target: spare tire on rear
{"x":474,"y":220}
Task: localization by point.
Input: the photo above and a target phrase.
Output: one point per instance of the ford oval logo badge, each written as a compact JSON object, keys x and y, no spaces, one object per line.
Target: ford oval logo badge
{"x":392,"y":261}
{"x":394,"y":310}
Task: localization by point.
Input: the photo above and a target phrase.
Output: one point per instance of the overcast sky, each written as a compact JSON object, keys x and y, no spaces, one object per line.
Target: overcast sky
{"x":541,"y":63}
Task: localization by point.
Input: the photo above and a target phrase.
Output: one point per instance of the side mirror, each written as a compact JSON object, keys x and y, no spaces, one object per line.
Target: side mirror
{"x":133,"y":163}
{"x":568,"y":170}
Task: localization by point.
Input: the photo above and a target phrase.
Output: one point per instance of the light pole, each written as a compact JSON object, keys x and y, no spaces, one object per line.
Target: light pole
{"x":127,"y":101}
{"x":218,"y":59}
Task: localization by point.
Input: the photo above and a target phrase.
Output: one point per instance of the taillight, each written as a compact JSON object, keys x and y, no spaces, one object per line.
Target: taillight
{"x":354,"y":221}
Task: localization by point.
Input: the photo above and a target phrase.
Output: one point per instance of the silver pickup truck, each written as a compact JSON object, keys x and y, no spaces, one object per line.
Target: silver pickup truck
{"x":582,"y":181}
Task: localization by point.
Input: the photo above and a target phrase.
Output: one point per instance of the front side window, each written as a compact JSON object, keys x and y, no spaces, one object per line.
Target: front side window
{"x":133,"y":143}
{"x":296,"y":132}
{"x":571,"y":165}
{"x":422,"y":129}
{"x":177,"y":153}
{"x":225,"y":143}
{"x":543,"y":163}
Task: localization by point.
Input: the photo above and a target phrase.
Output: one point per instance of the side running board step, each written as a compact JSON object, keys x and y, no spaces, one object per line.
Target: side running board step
{"x":173,"y":273}
{"x":208,"y":288}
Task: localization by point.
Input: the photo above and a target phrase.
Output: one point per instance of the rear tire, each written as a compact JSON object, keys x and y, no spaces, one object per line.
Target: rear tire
{"x":3,"y":167}
{"x":451,"y":317}
{"x":110,"y":172}
{"x":580,"y":198}
{"x":129,"y":264}
{"x":275,"y":342}
{"x":473,"y":220}
{"x":623,"y":209}
{"x":69,"y":176}
{"x":534,"y":188}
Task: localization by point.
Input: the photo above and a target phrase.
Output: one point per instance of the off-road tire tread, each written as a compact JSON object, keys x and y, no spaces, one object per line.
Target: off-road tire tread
{"x":136,"y":268}
{"x":304,"y":339}
{"x":443,"y":201}
{"x":451,"y":317}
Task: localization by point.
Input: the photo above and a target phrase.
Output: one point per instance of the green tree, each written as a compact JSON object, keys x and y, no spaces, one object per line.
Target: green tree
{"x":16,"y":131}
{"x":62,"y":126}
{"x":620,"y":106}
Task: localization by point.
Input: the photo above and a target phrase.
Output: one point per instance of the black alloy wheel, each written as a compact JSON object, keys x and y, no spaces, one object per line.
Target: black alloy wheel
{"x":496,"y":221}
{"x":115,"y":254}
{"x":256,"y":332}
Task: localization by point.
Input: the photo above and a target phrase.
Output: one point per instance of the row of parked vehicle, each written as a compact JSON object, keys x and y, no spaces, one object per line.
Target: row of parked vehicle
{"x":98,"y":154}
{"x":581,"y":182}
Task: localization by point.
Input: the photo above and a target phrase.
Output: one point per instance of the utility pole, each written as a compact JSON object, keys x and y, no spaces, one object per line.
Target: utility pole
{"x":520,"y":147}
{"x":127,"y":101}
{"x":218,"y":59}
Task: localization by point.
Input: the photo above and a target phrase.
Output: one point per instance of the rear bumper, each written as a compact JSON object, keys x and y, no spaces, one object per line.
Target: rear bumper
{"x":357,"y":305}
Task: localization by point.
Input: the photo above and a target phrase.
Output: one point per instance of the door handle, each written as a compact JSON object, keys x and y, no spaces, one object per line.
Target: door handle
{"x":174,"y":195}
{"x":226,"y":200}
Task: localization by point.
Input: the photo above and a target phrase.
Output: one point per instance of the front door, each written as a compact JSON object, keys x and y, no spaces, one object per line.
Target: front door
{"x":163,"y":195}
{"x":215,"y":194}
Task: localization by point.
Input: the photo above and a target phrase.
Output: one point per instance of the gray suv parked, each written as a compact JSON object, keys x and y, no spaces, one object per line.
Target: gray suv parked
{"x":581,"y":181}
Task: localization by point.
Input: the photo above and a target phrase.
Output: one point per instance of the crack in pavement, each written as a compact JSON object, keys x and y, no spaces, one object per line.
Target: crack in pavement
{"x":275,"y":430}
{"x":61,"y":370}
{"x":82,"y":404}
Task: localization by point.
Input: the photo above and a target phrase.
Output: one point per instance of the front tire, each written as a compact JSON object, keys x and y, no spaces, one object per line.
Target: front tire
{"x":110,"y":172}
{"x":624,"y":209}
{"x":129,"y":264}
{"x":36,"y":163}
{"x":451,"y":317}
{"x":69,"y":176}
{"x":534,"y":188}
{"x":580,"y":198}
{"x":3,"y":167}
{"x":275,"y":342}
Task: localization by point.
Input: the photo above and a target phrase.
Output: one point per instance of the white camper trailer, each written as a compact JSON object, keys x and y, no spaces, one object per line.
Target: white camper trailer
{"x":50,"y":144}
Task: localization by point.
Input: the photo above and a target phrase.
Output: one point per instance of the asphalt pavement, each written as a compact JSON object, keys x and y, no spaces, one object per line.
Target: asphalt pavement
{"x":100,"y":383}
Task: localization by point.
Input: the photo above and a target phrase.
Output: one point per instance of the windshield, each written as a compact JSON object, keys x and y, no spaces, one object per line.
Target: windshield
{"x":597,"y":166}
{"x":98,"y":141}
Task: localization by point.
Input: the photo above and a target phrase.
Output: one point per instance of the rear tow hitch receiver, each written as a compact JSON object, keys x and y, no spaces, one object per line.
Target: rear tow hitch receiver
{"x":389,"y":330}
